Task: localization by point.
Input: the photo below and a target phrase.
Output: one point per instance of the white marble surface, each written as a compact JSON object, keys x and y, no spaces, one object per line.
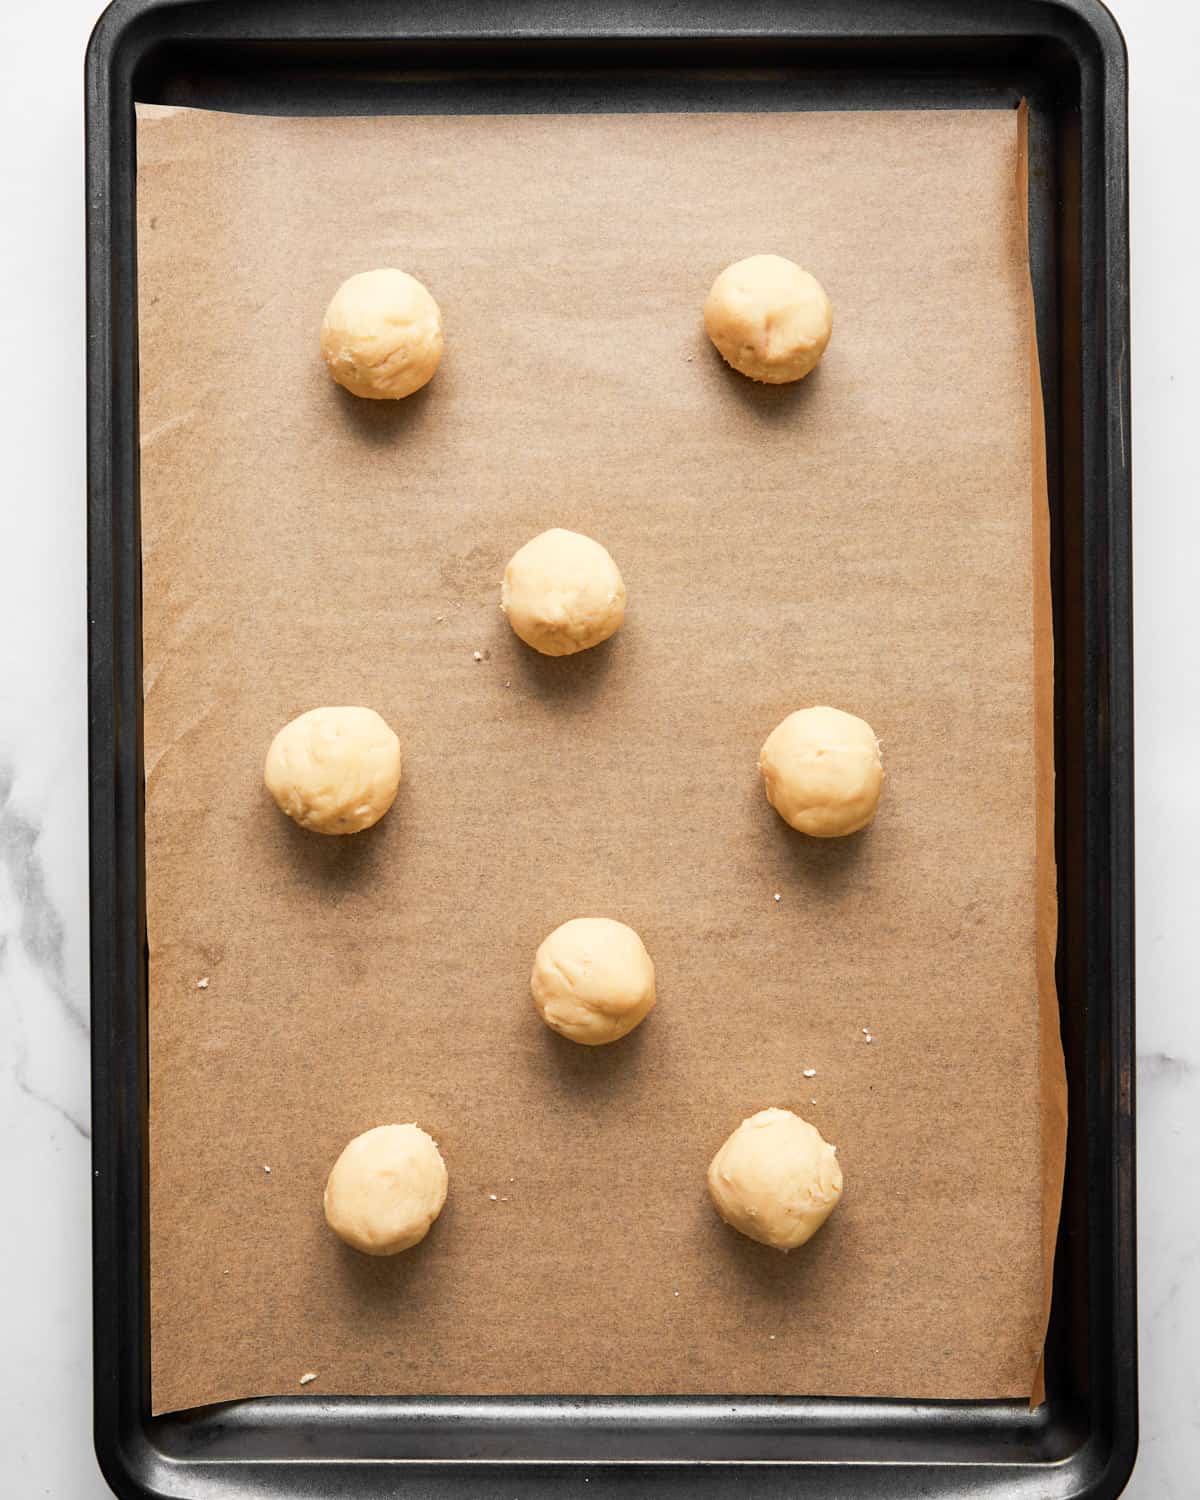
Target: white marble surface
{"x":45,"y":1437}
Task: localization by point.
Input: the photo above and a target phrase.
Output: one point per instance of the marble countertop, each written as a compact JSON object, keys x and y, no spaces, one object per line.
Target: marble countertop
{"x":45,"y":1394}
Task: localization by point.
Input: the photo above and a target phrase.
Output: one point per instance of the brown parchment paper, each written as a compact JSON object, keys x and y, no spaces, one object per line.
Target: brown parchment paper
{"x":1050,"y":1062}
{"x":873,"y":537}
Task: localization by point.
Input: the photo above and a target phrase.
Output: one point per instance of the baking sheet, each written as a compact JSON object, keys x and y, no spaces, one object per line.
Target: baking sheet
{"x":866,"y":538}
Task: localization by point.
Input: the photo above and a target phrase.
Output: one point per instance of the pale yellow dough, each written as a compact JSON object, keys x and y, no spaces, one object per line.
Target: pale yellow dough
{"x":334,"y":770}
{"x":386,"y":1189}
{"x":562,"y":593}
{"x":775,"y":1179}
{"x":593,"y":980}
{"x":769,"y":319}
{"x":382,"y":335}
{"x":823,"y":772}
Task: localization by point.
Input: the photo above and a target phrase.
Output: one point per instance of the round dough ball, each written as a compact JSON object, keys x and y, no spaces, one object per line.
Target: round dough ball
{"x":382,"y":335}
{"x":562,"y":593}
{"x":334,"y":770}
{"x":593,"y":980}
{"x":823,"y":772}
{"x":775,"y":1179}
{"x":769,"y":318}
{"x":386,"y":1189}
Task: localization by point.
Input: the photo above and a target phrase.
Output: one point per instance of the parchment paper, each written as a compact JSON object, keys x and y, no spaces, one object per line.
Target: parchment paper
{"x":873,"y":537}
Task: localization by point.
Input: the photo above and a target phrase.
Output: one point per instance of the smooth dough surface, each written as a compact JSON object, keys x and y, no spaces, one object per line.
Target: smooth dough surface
{"x":382,"y":335}
{"x":769,"y":318}
{"x":562,"y":593}
{"x":386,"y":1189}
{"x":775,"y":1179}
{"x":822,"y":771}
{"x":334,"y":770}
{"x":593,"y":980}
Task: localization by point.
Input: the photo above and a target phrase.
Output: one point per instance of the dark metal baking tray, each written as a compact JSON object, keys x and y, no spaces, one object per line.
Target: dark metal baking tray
{"x":1066,"y":57}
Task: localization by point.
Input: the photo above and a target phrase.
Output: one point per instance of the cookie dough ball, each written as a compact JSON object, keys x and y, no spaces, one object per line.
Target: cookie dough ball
{"x":334,"y":770}
{"x":382,"y":335}
{"x":386,"y":1189}
{"x":593,"y":980}
{"x":768,"y":318}
{"x":562,"y":593}
{"x":823,"y":772}
{"x":775,"y":1179}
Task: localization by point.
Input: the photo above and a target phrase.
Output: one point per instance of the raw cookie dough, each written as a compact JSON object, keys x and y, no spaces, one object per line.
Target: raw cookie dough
{"x":386,"y":1189}
{"x":593,"y":980}
{"x":775,"y":1179}
{"x":334,"y":770}
{"x":823,"y":772}
{"x":382,"y":335}
{"x":768,"y":318}
{"x":562,"y":593}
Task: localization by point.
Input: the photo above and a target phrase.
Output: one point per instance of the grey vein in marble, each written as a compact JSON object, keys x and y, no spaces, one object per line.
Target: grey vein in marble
{"x":30,"y":922}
